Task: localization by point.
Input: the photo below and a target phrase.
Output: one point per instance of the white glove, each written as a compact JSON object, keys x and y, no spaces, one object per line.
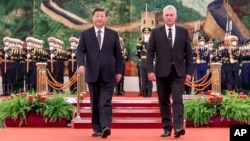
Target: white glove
{"x":6,"y":55}
{"x":198,"y":61}
{"x":208,"y":70}
{"x":28,"y":56}
{"x":73,"y":55}
{"x":52,"y":56}
{"x":211,"y":56}
{"x":232,"y":61}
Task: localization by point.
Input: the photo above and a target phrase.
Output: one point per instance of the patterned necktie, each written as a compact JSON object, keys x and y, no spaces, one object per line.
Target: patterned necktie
{"x":99,"y":38}
{"x":170,"y":36}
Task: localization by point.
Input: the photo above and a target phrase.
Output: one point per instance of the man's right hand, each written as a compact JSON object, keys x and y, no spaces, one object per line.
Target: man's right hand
{"x":81,"y":69}
{"x":151,"y":76}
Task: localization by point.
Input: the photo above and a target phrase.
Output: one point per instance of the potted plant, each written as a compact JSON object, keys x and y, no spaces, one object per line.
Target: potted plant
{"x":218,"y":110}
{"x":14,"y":107}
{"x":23,"y":108}
{"x":199,"y":111}
{"x":235,"y":107}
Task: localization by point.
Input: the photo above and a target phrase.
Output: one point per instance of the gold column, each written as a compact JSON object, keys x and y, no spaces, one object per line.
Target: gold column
{"x":216,"y":76}
{"x":41,"y":77}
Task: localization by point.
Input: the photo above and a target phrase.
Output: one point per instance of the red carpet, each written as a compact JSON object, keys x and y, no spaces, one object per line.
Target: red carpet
{"x":69,"y":134}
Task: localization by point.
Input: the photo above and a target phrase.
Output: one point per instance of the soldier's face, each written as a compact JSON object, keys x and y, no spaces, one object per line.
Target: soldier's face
{"x":202,"y":43}
{"x":51,"y":44}
{"x":146,"y":36}
{"x":211,"y":45}
{"x":234,"y":43}
{"x":6,"y":43}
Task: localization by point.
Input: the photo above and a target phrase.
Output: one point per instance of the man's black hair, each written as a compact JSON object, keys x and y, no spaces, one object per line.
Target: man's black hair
{"x":100,"y":9}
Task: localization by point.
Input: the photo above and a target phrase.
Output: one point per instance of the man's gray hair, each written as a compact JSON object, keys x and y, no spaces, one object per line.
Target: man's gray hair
{"x":170,"y":7}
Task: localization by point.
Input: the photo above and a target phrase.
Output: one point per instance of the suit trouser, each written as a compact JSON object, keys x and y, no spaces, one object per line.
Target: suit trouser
{"x":167,"y":86}
{"x":101,"y":97}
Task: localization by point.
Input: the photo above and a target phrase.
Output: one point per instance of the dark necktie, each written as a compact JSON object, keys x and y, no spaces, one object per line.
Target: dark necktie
{"x":170,"y":36}
{"x":99,"y":38}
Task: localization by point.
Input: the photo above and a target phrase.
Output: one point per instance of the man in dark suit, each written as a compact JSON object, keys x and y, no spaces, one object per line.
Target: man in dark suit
{"x":99,"y":56}
{"x":174,"y":66}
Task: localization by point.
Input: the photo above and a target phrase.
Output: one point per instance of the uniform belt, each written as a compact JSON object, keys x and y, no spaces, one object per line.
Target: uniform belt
{"x":143,"y":57}
{"x":30,"y":60}
{"x":233,"y":61}
{"x":72,"y":59}
{"x":7,"y":61}
{"x":202,"y":61}
{"x":53,"y":61}
{"x":245,"y":61}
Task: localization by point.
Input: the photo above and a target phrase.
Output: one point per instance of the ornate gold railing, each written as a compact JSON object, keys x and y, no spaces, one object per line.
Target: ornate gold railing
{"x":205,"y":81}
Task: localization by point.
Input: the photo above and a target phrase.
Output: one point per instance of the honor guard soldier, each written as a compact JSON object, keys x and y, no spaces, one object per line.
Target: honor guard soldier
{"x":201,"y":66}
{"x":41,"y":53}
{"x":72,"y":64}
{"x":51,"y":61}
{"x":138,"y":54}
{"x":213,"y":52}
{"x":20,"y":60}
{"x":234,"y":63}
{"x":223,"y":59}
{"x":119,"y":89}
{"x":31,"y":56}
{"x":146,"y":84}
{"x":245,"y":67}
{"x":13,"y":65}
{"x":60,"y":57}
{"x":5,"y":65}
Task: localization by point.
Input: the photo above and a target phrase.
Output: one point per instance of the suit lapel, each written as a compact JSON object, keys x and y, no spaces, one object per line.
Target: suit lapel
{"x":105,"y":35}
{"x":93,"y":36}
{"x":176,"y":33}
{"x":164,"y":34}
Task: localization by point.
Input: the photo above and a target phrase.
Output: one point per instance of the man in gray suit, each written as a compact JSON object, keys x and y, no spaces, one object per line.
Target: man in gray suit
{"x":174,"y":66}
{"x":99,"y":56}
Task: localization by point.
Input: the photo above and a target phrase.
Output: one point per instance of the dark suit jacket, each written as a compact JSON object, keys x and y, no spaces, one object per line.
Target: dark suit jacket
{"x":181,"y":53}
{"x":106,"y":62}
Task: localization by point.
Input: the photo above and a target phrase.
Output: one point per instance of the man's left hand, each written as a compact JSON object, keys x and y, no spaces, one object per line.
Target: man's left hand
{"x":118,"y":77}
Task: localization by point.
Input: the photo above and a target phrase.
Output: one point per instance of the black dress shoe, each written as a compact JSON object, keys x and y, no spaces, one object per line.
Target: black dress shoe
{"x":96,"y":134}
{"x":166,"y":133}
{"x":179,"y":132}
{"x":106,"y":132}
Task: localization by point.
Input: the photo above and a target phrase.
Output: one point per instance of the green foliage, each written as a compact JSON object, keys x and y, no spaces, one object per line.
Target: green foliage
{"x":14,"y":108}
{"x":199,"y":111}
{"x":52,"y":109}
{"x":130,"y":40}
{"x":57,"y":108}
{"x":38,"y":107}
{"x":234,"y":107}
{"x":245,"y":20}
